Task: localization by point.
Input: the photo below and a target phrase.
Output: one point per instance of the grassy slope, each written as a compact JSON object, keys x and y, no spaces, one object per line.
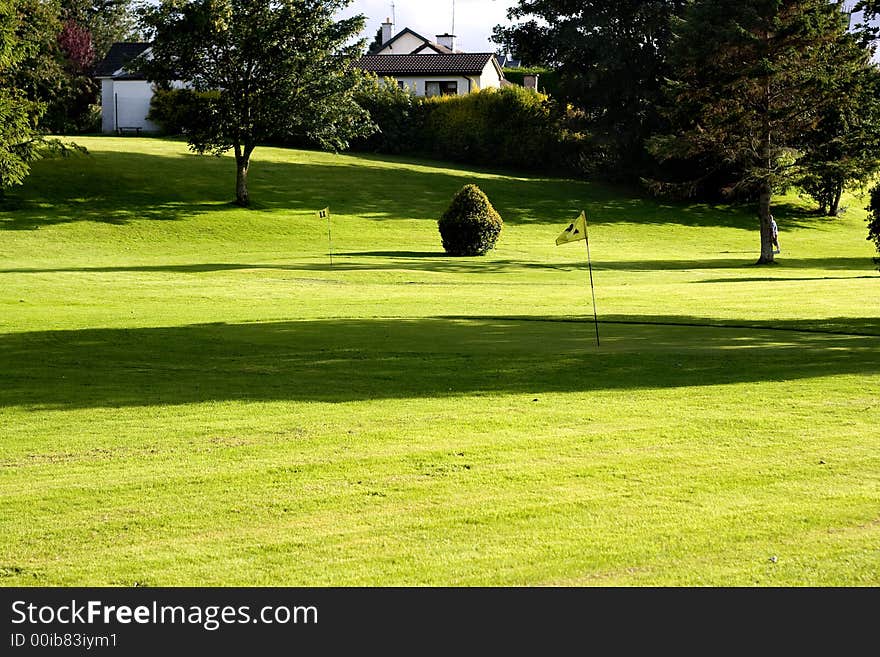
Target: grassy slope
{"x":192,"y":396}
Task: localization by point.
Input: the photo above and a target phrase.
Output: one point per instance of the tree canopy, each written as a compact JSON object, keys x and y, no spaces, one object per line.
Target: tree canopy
{"x":611,"y":61}
{"x":27,"y":32}
{"x":751,"y":81}
{"x":283,"y":69}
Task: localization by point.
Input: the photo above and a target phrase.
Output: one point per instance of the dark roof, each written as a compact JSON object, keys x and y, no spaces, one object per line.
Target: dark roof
{"x":452,"y":64}
{"x":508,"y":61}
{"x":118,"y":56}
{"x":428,"y":42}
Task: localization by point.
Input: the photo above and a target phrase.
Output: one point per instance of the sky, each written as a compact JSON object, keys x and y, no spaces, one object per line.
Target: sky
{"x":474,"y":19}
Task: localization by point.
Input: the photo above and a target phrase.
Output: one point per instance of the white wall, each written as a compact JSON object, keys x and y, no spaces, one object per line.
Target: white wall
{"x":403,"y":46}
{"x":125,"y":104}
{"x":108,"y":116}
{"x":418,"y":83}
{"x":489,"y":78}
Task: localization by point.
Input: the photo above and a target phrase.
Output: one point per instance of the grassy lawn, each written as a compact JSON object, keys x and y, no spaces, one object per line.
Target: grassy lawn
{"x":190,"y":395}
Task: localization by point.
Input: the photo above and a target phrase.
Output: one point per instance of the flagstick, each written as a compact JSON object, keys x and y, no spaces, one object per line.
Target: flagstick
{"x":592,"y":287}
{"x":330,"y":239}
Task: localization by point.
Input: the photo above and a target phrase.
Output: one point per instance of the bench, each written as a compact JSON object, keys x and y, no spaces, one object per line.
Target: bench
{"x":122,"y":130}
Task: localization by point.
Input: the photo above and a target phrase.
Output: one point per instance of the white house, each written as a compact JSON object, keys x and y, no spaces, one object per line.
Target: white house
{"x":125,"y":96}
{"x":429,"y":68}
{"x":432,"y":68}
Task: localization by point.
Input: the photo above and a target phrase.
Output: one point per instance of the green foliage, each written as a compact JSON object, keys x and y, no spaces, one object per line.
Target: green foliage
{"x":751,"y":80}
{"x":107,"y":21}
{"x":844,"y":148}
{"x":511,"y":126}
{"x":376,"y":44}
{"x":611,"y":62}
{"x":548,"y":79}
{"x":874,"y":220}
{"x":23,"y":42}
{"x":470,"y":226}
{"x":89,"y":28}
{"x":284,"y":70}
{"x":394,"y":110}
{"x":179,"y":111}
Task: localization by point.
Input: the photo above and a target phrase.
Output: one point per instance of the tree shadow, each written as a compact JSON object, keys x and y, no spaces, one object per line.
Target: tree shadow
{"x":782,"y":279}
{"x":118,"y":187}
{"x":439,"y":262}
{"x":355,"y":360}
{"x":394,"y":254}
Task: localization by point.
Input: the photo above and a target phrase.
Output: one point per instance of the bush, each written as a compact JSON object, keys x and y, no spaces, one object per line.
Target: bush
{"x":177,"y":111}
{"x":394,"y":111}
{"x":548,"y":79}
{"x":510,"y":126}
{"x":471,"y":225}
{"x":874,"y":220}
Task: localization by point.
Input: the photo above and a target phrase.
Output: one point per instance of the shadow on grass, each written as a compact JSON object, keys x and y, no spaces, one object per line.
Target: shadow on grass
{"x":118,"y":187}
{"x":355,"y":360}
{"x":441,"y":262}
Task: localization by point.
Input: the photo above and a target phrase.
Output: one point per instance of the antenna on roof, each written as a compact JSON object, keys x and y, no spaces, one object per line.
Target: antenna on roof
{"x":393,"y":14}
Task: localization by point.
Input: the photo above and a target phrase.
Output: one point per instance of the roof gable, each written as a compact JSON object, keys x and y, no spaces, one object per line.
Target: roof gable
{"x":426,"y":43}
{"x":118,"y":56}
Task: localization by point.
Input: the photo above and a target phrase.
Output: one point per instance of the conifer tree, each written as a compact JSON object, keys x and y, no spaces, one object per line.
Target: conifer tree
{"x":751,"y":80}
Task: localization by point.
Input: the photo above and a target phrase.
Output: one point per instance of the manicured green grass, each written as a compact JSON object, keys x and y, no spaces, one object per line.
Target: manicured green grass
{"x":192,"y":396}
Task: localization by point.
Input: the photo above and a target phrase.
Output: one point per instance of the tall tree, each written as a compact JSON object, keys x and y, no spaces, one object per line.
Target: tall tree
{"x":874,"y":220}
{"x":27,"y":32}
{"x":376,"y":44}
{"x":751,"y":78}
{"x":283,"y":69}
{"x":611,"y":61}
{"x":107,"y":21}
{"x":844,"y":149}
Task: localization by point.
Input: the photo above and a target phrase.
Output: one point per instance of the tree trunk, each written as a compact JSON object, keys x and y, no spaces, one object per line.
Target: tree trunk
{"x":766,"y":234}
{"x":242,"y":164}
{"x":835,"y":202}
{"x":242,"y":196}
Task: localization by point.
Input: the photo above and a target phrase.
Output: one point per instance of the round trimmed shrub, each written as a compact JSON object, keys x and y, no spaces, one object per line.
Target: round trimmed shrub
{"x":471,"y":225}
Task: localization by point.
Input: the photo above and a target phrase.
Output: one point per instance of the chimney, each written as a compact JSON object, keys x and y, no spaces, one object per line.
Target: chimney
{"x":387,"y":31}
{"x":447,"y":40}
{"x":530,"y":81}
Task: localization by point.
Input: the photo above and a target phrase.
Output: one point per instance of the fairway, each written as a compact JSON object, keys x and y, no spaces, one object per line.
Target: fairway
{"x":192,"y":396}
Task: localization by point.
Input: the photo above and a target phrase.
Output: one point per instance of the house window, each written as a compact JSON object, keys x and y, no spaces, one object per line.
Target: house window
{"x":441,"y":88}
{"x":401,"y":84}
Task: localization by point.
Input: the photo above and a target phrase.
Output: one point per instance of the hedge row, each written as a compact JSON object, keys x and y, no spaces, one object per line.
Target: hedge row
{"x":548,"y":79}
{"x":511,"y":126}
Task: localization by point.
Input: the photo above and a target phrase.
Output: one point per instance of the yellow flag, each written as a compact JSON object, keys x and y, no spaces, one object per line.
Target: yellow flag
{"x":323,"y":214}
{"x":575,"y":231}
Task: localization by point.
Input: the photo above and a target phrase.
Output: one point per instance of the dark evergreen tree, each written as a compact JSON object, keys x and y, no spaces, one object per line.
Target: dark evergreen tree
{"x":752,"y":78}
{"x":28,"y":34}
{"x":376,"y":44}
{"x":874,"y":220}
{"x":611,"y":62}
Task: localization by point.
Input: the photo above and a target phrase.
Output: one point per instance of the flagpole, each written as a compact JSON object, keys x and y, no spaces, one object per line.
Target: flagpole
{"x":330,"y":238}
{"x":592,"y":287}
